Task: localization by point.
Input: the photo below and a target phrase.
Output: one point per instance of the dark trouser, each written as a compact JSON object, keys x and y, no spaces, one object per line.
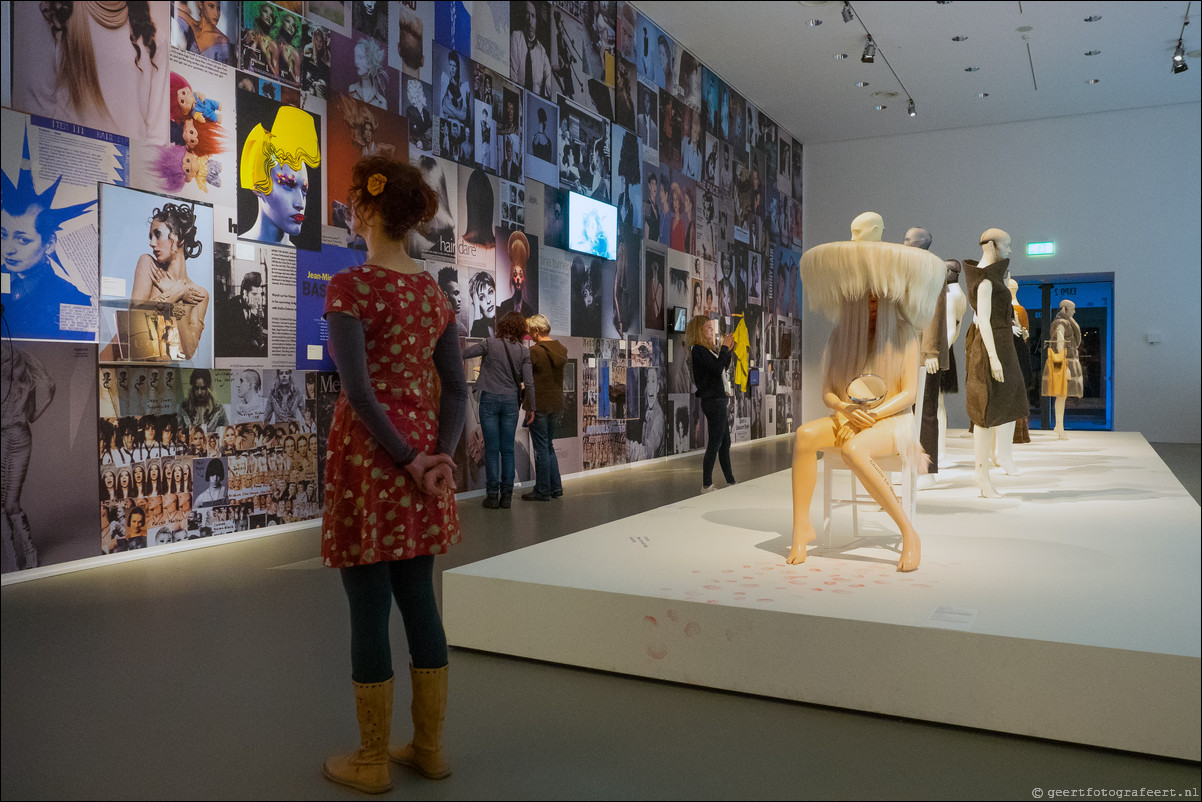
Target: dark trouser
{"x":370,"y":590}
{"x":546,"y":464}
{"x":928,"y":433}
{"x":718,"y":441}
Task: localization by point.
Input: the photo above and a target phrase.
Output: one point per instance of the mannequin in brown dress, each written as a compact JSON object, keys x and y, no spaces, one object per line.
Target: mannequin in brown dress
{"x":993,"y":383}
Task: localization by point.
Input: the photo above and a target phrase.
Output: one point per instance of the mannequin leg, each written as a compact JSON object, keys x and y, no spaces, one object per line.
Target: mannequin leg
{"x":1061,"y":400}
{"x":809,"y":439}
{"x":858,"y":454}
{"x":1004,"y":447}
{"x":982,"y":441}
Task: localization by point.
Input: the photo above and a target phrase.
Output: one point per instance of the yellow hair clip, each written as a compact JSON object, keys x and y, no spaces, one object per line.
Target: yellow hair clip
{"x":375,"y":184}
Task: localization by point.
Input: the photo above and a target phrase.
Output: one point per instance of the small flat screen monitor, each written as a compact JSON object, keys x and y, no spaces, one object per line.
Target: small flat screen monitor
{"x":679,"y":319}
{"x":592,"y":226}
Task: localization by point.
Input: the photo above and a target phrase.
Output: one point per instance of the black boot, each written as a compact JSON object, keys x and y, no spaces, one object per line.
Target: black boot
{"x":492,"y":501}
{"x":506,"y":499}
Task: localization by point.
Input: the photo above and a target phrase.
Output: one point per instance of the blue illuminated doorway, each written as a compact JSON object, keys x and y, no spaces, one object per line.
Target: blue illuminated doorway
{"x":1093,"y":293}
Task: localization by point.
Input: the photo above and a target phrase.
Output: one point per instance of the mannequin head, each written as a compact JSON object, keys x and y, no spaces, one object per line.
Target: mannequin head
{"x":868,"y":227}
{"x":953,"y":270}
{"x":1067,"y":308}
{"x":995,"y":246}
{"x":918,"y":237}
{"x":1012,"y":285}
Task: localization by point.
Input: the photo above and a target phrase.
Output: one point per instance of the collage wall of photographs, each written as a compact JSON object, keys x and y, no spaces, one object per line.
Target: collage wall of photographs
{"x":588,"y":97}
{"x":215,"y":451}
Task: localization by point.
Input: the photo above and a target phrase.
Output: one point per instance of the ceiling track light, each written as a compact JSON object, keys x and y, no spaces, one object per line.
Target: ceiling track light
{"x":846,"y":12}
{"x":910,"y":108}
{"x":869,"y":55}
{"x":1179,"y":65}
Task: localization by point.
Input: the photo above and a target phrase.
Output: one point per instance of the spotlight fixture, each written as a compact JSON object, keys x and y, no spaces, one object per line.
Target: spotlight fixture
{"x":982,"y":94}
{"x":881,"y":108}
{"x":1092,"y":52}
{"x":846,"y":12}
{"x":910,"y":108}
{"x":1179,"y":65}
{"x":1093,"y":18}
{"x":972,"y":69}
{"x":814,"y":23}
{"x":960,"y":38}
{"x":1093,"y":81}
{"x":861,"y":83}
{"x":869,"y":55}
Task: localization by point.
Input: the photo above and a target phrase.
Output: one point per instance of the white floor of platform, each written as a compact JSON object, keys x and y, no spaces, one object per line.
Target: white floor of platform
{"x":1069,"y":609}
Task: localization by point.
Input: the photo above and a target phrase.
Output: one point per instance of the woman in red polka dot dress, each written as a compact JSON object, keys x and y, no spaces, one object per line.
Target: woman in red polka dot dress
{"x":389,"y":491}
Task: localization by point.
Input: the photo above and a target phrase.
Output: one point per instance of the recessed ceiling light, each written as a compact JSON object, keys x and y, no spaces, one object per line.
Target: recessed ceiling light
{"x":1093,"y":18}
{"x":971,"y":69}
{"x":1092,"y":81}
{"x":881,"y":108}
{"x":959,"y":38}
{"x":840,"y":56}
{"x":814,"y":23}
{"x":886,"y":93}
{"x":1092,"y":52}
{"x":982,"y":94}
{"x":861,"y":83}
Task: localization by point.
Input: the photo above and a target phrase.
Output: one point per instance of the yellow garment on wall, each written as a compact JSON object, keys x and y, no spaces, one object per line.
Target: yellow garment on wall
{"x":741,"y":344}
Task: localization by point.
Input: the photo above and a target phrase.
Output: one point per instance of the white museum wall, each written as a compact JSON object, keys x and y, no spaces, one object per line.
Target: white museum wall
{"x":1117,"y":191}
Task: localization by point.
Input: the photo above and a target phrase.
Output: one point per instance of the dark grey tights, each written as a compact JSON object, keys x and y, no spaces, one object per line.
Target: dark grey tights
{"x":370,"y":590}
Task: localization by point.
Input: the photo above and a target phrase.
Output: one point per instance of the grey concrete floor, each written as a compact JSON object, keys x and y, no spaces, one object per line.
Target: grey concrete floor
{"x":223,"y":673}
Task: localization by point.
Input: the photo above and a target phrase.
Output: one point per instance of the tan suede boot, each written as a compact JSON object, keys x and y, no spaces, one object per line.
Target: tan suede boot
{"x":366,"y":769}
{"x":424,"y":752}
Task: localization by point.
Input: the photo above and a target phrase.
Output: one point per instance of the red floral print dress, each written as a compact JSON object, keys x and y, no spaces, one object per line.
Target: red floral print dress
{"x":373,"y":509}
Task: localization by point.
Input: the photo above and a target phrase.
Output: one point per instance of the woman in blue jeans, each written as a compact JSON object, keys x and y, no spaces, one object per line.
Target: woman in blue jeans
{"x":709,"y":361}
{"x":504,"y":369}
{"x":548,"y":358}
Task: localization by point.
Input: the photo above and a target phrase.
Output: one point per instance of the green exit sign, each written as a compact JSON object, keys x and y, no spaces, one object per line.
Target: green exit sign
{"x":1041,"y":248}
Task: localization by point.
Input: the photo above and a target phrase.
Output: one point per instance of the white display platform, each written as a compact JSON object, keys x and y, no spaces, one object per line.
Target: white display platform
{"x":1068,"y":610}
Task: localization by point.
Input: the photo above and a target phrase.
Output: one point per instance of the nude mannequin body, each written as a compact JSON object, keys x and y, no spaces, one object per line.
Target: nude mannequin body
{"x":869,"y":440}
{"x":987,"y":440}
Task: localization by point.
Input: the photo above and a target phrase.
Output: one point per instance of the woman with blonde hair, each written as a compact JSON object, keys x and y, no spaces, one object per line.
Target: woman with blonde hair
{"x":710,"y":357}
{"x":372,"y":86}
{"x":547,"y":360}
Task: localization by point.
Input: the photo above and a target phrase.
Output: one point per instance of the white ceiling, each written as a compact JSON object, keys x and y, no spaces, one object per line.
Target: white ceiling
{"x":766,"y":51}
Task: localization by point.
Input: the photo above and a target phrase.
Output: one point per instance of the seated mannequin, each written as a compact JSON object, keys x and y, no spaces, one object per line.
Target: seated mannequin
{"x":994,"y":389}
{"x":878,"y":293}
{"x":1062,"y":375}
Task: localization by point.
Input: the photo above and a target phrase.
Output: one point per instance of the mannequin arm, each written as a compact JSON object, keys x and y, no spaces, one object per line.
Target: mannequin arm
{"x":984,"y":326}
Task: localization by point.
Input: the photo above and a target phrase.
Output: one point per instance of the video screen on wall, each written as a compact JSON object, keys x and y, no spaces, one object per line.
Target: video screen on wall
{"x":592,"y":226}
